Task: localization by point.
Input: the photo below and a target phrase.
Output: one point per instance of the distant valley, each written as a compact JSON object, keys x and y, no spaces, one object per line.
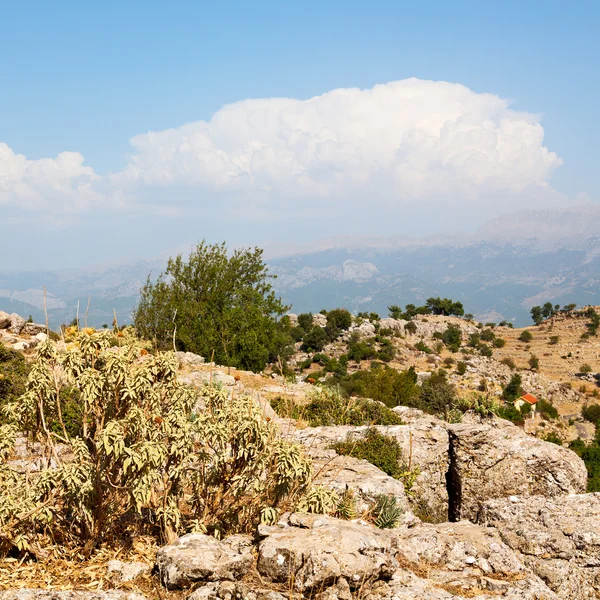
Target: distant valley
{"x":498,"y":273}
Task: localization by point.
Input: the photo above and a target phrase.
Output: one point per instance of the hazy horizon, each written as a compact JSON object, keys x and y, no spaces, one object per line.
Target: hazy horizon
{"x":131,"y":131}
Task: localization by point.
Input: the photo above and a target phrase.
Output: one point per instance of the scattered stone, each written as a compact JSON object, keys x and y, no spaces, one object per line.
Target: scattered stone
{"x":27,"y":594}
{"x":197,"y":557}
{"x":119,"y":571}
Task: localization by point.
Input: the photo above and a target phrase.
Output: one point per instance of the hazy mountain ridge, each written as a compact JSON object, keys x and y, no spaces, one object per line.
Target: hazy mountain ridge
{"x":498,"y":272}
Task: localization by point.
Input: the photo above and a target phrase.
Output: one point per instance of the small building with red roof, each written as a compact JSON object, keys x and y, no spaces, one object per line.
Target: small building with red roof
{"x":526,"y":399}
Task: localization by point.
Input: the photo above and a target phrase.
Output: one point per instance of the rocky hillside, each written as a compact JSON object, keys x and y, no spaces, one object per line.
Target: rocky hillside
{"x":477,"y":508}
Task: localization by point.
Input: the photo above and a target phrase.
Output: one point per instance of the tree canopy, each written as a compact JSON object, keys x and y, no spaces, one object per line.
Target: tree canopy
{"x":216,"y":302}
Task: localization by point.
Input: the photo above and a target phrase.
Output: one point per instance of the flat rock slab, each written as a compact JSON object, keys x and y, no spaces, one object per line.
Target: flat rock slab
{"x":197,"y":557}
{"x":312,"y":552}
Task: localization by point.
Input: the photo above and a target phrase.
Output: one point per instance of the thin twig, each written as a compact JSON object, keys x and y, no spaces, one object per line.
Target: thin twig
{"x":86,"y":311}
{"x":46,"y":312}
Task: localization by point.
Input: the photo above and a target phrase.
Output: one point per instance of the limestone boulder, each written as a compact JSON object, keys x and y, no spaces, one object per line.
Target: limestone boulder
{"x":424,"y":444}
{"x":363,"y":479}
{"x":197,"y":557}
{"x":498,"y":460}
{"x":312,"y":552}
{"x":461,"y":560}
{"x":557,"y":538}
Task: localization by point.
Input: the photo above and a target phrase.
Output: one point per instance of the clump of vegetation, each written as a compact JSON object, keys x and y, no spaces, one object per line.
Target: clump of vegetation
{"x":534,"y":363}
{"x":553,"y":438}
{"x":547,"y":410}
{"x":509,"y":362}
{"x":526,"y":336}
{"x":422,"y":347}
{"x":512,"y":390}
{"x":585,"y":368}
{"x":329,"y":407}
{"x":591,"y":413}
{"x":216,"y":302}
{"x":14,"y":370}
{"x":461,"y":367}
{"x":144,"y":458}
{"x":380,"y":450}
{"x":554,"y":339}
{"x":499,"y":342}
{"x":452,"y":337}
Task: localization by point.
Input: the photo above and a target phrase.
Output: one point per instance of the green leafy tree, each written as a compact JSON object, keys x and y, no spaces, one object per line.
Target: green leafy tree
{"x":338,"y":320}
{"x":305,"y":320}
{"x":395,"y":311}
{"x":216,"y":303}
{"x":513,"y":390}
{"x":445,"y":306}
{"x":314,"y":340}
{"x":537,"y":315}
{"x":452,"y":337}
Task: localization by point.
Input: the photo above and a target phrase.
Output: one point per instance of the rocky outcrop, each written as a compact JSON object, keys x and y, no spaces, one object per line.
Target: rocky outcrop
{"x":119,"y":571}
{"x":197,"y":557}
{"x":424,"y":445}
{"x":456,"y":560}
{"x":558,"y":538}
{"x":311,"y":552}
{"x":498,"y":460}
{"x":366,"y":481}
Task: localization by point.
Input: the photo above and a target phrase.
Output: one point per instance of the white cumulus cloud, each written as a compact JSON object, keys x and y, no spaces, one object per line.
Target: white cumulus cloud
{"x":406,"y":139}
{"x":401,"y":141}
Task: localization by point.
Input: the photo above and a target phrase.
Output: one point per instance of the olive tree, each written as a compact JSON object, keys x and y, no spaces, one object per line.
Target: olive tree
{"x":217,"y":304}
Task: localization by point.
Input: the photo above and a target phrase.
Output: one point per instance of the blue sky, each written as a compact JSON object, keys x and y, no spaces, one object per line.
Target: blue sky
{"x":87,"y":78}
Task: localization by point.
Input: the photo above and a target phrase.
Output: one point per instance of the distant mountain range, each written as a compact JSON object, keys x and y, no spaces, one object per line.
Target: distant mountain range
{"x":510,"y":264}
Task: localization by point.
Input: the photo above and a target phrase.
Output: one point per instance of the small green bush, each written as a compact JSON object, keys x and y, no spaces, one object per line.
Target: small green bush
{"x":314,"y":340}
{"x":526,"y":336}
{"x":486,"y":351}
{"x":461,"y":367}
{"x":554,"y":339}
{"x":14,"y":370}
{"x":585,"y":368}
{"x":422,"y":347}
{"x":499,"y":342}
{"x":487,"y":335}
{"x":591,"y":413}
{"x":411,"y":327}
{"x":305,"y":321}
{"x":380,"y":450}
{"x":547,"y":410}
{"x":553,"y":438}
{"x":327,"y":407}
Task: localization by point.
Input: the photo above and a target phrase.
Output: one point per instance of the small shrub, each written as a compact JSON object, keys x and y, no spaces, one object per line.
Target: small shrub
{"x":327,"y":407}
{"x":486,"y":351}
{"x":553,"y":438}
{"x":547,"y":410}
{"x":513,"y":390}
{"x":314,"y":340}
{"x":487,"y":335}
{"x":526,"y":336}
{"x":380,"y":450}
{"x":411,"y":327}
{"x":534,"y":362}
{"x":554,"y":339}
{"x":591,"y":413}
{"x":585,"y":368}
{"x":509,"y":362}
{"x":499,"y":342}
{"x":461,"y":367}
{"x":305,"y":321}
{"x":422,"y":347}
